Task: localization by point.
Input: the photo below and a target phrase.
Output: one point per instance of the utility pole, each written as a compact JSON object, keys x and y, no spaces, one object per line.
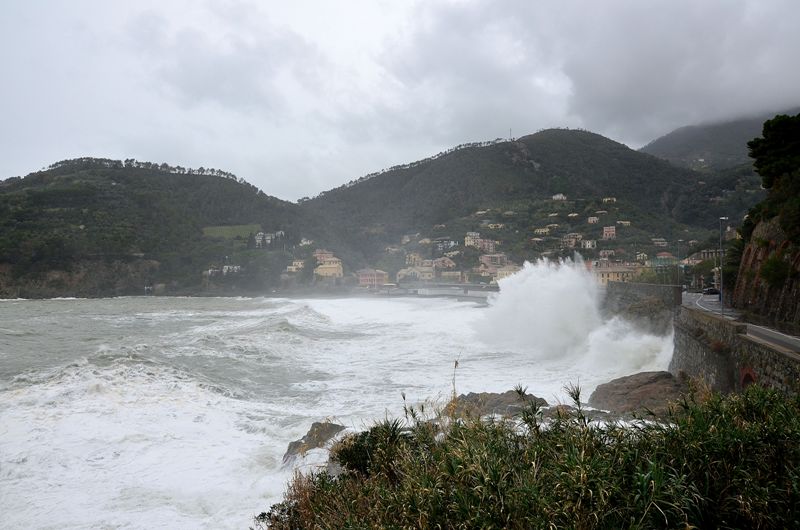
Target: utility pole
{"x":721,"y":298}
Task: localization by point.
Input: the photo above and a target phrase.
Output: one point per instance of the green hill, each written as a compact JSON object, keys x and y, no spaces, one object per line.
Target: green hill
{"x":84,"y":217}
{"x":90,"y":227}
{"x":710,"y":146}
{"x":522,"y":176}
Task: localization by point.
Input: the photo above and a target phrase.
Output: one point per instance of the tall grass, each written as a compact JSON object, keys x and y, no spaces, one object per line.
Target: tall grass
{"x":725,"y":462}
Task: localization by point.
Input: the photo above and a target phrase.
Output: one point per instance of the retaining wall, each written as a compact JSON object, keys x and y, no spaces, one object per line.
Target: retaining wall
{"x":720,"y":351}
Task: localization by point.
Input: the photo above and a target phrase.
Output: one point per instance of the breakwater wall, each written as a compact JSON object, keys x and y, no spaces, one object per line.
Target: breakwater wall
{"x":721,"y":352}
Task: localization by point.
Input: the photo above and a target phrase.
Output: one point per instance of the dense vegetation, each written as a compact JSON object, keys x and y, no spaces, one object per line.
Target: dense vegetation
{"x":721,"y":462}
{"x":521,"y":176}
{"x":709,"y":147}
{"x":776,"y":156}
{"x":189,"y":220}
{"x":94,"y":209}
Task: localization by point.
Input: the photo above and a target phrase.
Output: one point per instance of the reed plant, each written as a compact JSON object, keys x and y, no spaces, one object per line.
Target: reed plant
{"x":717,"y":462}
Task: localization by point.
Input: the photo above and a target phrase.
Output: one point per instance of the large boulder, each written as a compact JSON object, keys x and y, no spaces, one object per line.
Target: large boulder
{"x":508,"y":403}
{"x":642,"y":392}
{"x":317,"y":436}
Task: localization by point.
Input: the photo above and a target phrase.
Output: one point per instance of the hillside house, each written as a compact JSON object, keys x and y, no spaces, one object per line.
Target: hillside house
{"x":506,"y":271}
{"x":664,"y":259}
{"x":624,"y":223}
{"x":605,"y":271}
{"x":708,"y":253}
{"x":593,"y":220}
{"x":495,"y":260}
{"x":571,"y":240}
{"x":296,"y":266}
{"x":589,"y":244}
{"x":496,"y":226}
{"x":609,"y":200}
{"x":559,"y":197}
{"x":306,"y":242}
{"x":330,"y":268}
{"x":443,"y":244}
{"x":471,"y":239}
{"x":443,"y":263}
{"x":231,"y":269}
{"x":486,"y":245}
{"x":452,"y":276}
{"x":414,"y":259}
{"x":321,"y":255}
{"x":371,"y":278}
{"x":416,"y":274}
{"x":609,"y":232}
{"x":541,"y":231}
{"x":658,"y":241}
{"x":606,"y":253}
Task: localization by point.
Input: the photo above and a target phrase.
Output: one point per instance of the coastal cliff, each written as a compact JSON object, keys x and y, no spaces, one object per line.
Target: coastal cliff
{"x":768,"y":284}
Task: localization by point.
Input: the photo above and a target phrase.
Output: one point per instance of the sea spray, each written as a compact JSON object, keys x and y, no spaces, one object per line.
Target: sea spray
{"x":165,"y":412}
{"x":551,"y":310}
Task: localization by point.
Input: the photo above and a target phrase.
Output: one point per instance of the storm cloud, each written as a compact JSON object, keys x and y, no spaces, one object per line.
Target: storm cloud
{"x":304,"y":97}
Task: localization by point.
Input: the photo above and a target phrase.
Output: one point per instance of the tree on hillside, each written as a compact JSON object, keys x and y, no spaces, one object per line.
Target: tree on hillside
{"x":777,"y":159}
{"x":777,"y":153}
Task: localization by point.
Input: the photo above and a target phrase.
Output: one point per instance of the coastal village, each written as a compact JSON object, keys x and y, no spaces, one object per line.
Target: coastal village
{"x":479,"y":257}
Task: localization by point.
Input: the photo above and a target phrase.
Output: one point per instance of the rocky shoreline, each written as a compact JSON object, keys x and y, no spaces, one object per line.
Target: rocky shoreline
{"x":644,"y":395}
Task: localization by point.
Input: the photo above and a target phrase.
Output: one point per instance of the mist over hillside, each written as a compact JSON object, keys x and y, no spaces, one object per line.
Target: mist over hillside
{"x":179,"y":227}
{"x":521,"y":176}
{"x":711,"y":146}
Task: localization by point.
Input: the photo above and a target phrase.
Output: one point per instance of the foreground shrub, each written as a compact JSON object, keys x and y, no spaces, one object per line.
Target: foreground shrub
{"x":728,"y":462}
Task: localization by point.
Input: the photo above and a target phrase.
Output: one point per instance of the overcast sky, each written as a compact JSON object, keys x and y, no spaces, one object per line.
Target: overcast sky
{"x":298,"y":97}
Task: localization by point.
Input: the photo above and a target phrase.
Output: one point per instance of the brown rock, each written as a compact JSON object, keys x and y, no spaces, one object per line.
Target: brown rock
{"x":317,"y":436}
{"x":652,"y":391}
{"x":508,"y":403}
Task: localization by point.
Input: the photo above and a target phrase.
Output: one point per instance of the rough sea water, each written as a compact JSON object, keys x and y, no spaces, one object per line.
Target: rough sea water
{"x":176,"y":412}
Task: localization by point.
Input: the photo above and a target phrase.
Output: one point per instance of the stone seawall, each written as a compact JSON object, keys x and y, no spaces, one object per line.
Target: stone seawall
{"x":720,"y":352}
{"x":649,"y":306}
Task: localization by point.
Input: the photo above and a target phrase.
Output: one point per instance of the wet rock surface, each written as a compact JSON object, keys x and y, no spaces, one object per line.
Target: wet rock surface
{"x":642,"y":392}
{"x":317,"y":436}
{"x":508,"y":403}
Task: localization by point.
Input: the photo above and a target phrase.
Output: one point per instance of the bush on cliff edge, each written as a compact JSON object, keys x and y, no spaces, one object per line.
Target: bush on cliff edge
{"x":725,"y":462}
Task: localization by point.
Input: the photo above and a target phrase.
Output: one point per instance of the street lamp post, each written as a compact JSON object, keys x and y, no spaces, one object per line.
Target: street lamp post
{"x":721,"y":299}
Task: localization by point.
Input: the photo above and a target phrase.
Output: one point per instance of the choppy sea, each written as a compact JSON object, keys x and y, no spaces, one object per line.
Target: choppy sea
{"x":150,"y":412}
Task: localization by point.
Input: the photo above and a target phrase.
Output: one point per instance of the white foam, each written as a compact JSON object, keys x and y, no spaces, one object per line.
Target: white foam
{"x":133,"y":445}
{"x":179,"y":417}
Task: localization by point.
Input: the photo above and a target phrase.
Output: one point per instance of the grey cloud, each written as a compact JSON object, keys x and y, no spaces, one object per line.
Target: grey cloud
{"x":252,"y":88}
{"x":236,"y":69}
{"x":632,"y":71}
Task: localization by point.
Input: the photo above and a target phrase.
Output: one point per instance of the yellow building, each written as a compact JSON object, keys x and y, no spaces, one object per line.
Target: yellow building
{"x":330,"y":268}
{"x":605,"y":272}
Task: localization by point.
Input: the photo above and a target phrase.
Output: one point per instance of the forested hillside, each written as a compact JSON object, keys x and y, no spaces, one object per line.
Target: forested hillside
{"x":103,"y":211}
{"x":519,"y":175}
{"x":710,"y":146}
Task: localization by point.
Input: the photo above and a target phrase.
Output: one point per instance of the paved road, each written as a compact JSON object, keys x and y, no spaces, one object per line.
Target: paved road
{"x":710,"y":303}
